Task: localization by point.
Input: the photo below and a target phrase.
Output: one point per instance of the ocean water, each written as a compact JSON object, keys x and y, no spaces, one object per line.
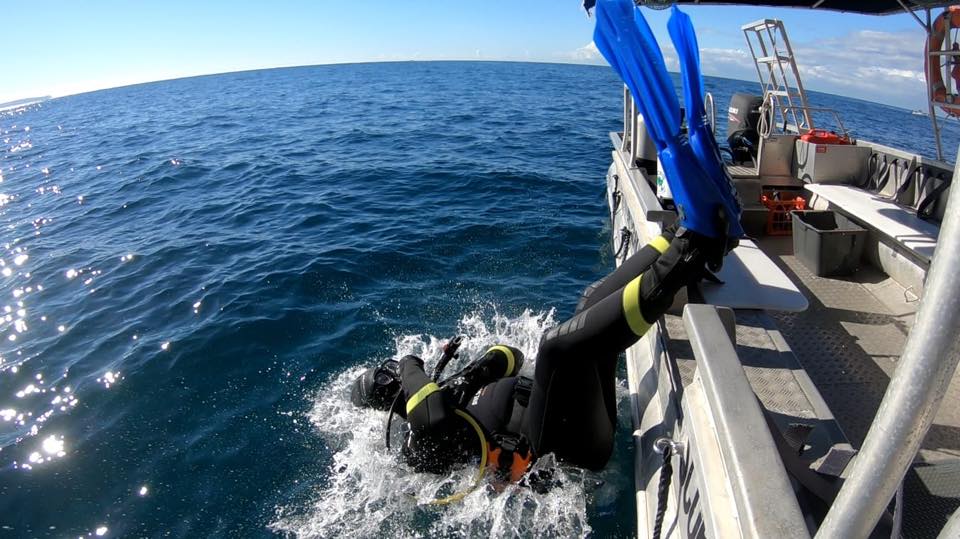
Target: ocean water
{"x":193,"y":271}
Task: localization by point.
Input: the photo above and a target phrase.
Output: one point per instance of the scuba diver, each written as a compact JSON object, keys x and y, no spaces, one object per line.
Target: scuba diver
{"x":568,"y":408}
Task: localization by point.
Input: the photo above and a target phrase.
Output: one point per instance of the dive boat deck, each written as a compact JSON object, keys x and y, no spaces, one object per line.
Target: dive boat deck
{"x":760,"y":390}
{"x":845,"y":345}
{"x":849,"y":341}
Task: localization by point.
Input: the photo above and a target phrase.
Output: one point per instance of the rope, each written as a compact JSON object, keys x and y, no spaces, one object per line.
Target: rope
{"x":624,"y":242}
{"x":663,"y":487}
{"x":616,"y":198}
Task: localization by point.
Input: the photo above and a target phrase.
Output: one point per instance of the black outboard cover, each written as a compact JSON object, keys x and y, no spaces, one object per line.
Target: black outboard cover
{"x":743,"y":121}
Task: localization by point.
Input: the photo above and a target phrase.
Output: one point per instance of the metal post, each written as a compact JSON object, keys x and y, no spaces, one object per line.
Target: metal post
{"x":932,"y":111}
{"x":754,"y":54}
{"x":627,"y":121}
{"x":914,"y":15}
{"x":796,"y":76}
{"x":926,"y":367}
{"x":638,"y":133}
{"x":948,"y":37}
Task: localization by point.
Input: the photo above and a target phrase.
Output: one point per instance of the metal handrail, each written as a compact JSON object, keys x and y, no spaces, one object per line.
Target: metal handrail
{"x":711,"y":110}
{"x":769,"y":109}
{"x":758,"y":482}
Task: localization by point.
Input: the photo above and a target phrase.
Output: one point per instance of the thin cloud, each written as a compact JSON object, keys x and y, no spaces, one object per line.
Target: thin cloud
{"x":866,"y":64}
{"x":587,"y":54}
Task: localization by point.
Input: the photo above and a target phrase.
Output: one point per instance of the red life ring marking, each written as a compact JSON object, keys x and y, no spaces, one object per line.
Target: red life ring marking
{"x":932,"y":69}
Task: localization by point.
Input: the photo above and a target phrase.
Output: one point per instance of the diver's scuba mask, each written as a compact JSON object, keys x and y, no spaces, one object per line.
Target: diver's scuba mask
{"x":377,"y":387}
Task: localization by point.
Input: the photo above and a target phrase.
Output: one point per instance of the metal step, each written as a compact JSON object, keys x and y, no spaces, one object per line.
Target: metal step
{"x":774,"y":59}
{"x":762,"y":24}
{"x":783,"y":93}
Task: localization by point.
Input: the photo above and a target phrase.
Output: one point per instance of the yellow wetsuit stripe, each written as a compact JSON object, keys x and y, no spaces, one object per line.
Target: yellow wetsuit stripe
{"x":483,"y":462}
{"x":420,"y":395}
{"x":511,"y":361}
{"x":660,"y":244}
{"x":631,"y":308}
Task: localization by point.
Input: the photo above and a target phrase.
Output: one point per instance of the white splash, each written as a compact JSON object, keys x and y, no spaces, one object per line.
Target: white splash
{"x":369,"y":492}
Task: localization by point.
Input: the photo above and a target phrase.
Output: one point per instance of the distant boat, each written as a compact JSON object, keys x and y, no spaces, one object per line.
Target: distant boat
{"x":918,"y":113}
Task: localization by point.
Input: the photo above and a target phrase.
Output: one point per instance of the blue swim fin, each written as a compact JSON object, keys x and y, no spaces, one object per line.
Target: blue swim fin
{"x":702,"y":140}
{"x":624,"y":38}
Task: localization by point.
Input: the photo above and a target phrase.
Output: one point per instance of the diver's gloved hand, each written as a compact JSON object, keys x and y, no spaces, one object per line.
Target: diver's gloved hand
{"x":716,"y":249}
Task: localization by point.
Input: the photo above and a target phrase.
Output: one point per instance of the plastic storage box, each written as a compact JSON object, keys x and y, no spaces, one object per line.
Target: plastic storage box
{"x":830,"y":163}
{"x":827,"y":243}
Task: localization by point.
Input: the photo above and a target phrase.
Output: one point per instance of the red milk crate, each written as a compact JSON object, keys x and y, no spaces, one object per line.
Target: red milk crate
{"x":780,"y":204}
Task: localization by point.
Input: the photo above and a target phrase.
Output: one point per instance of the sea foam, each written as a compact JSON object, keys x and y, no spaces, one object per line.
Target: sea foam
{"x":370,"y":492}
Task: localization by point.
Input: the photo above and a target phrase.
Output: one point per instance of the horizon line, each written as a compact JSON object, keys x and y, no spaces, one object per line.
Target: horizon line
{"x":412,"y":60}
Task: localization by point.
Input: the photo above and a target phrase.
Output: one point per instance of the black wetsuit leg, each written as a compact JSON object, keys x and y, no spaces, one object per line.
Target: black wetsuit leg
{"x":572,"y":410}
{"x":629,"y":270}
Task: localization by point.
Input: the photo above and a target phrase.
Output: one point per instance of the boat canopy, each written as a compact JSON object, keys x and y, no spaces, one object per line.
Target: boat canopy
{"x":865,"y":7}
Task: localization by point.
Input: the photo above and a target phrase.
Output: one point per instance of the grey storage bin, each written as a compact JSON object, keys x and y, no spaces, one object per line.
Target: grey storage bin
{"x":827,"y":243}
{"x":831,"y":163}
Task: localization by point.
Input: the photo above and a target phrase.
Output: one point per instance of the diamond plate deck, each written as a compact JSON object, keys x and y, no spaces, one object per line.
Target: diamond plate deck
{"x":770,"y":373}
{"x":930,"y":495}
{"x":849,"y":341}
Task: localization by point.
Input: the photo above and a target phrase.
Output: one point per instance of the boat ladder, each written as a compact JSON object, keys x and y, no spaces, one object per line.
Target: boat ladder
{"x":777,"y":70}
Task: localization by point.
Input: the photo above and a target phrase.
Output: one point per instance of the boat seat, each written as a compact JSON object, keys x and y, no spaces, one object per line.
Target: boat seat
{"x":883,"y":216}
{"x":751,"y":280}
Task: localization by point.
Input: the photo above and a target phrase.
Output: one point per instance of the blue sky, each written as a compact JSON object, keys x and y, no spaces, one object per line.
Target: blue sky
{"x":64,"y":47}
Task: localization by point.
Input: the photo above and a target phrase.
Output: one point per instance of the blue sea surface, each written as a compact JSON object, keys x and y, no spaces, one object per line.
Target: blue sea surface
{"x":194,"y":270}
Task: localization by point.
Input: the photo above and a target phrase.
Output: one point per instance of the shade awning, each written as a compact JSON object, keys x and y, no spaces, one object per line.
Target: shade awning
{"x":864,"y":7}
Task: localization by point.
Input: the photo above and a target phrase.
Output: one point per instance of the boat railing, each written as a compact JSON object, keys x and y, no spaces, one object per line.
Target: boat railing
{"x":711,"y":109}
{"x":635,"y":142}
{"x":774,"y":117}
{"x":725,"y":419}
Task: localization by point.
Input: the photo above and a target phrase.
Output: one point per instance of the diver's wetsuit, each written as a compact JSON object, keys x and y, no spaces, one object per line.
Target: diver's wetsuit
{"x":474,"y":406}
{"x":571,"y":409}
